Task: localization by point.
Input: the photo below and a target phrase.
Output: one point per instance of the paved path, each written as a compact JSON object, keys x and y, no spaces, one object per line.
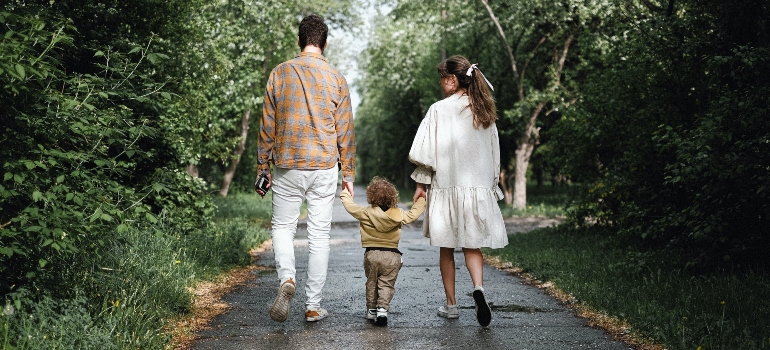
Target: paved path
{"x":523,"y":317}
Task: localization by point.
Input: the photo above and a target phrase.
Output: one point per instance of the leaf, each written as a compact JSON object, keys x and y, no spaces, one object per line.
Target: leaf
{"x":135,"y":49}
{"x":18,"y":178}
{"x":96,"y":215}
{"x":106,"y":217}
{"x":69,"y":196}
{"x":47,"y":242}
{"x":166,"y":95}
{"x":6,"y":251}
{"x":36,"y":196}
{"x":98,"y":54}
{"x":42,"y":263}
{"x":122,"y":228}
{"x":7,"y":176}
{"x":151,"y":218}
{"x":60,"y":179}
{"x":20,"y":71}
{"x":56,"y":246}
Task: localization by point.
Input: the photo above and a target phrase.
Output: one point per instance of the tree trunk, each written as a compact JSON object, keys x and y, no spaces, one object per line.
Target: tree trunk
{"x":523,"y":155}
{"x":506,"y":189}
{"x":237,"y":152}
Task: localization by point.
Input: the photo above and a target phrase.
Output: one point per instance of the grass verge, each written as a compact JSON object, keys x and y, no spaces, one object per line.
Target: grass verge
{"x":667,"y":305}
{"x":125,"y":296}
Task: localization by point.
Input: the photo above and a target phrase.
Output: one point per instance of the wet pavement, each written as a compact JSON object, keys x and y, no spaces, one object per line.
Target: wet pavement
{"x":523,"y":317}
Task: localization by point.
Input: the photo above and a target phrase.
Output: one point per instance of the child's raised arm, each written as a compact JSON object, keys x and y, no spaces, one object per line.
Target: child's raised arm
{"x":354,"y":209}
{"x":417,"y":209}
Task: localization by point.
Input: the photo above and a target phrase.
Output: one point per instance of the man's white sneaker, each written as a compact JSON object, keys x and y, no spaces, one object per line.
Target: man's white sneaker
{"x":316,"y":315}
{"x":280,"y":310}
{"x":449,"y":311}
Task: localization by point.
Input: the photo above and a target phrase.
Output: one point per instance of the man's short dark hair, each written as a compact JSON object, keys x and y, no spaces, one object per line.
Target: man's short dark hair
{"x":313,"y":31}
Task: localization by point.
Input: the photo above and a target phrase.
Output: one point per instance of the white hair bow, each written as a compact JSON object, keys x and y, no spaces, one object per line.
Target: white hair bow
{"x":470,"y":71}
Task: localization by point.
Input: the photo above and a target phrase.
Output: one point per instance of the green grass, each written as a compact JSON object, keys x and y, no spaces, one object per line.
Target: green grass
{"x":546,"y":201}
{"x":682,"y":311}
{"x":129,"y":292}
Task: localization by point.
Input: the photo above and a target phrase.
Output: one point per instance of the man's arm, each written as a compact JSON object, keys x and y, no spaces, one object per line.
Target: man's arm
{"x":346,"y":142}
{"x":266,"y":134}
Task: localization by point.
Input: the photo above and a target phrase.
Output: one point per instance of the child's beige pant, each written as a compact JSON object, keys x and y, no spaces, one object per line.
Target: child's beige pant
{"x":381,"y":269}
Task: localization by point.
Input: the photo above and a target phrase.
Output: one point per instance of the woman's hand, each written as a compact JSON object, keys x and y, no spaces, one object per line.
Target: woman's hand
{"x":419,"y":192}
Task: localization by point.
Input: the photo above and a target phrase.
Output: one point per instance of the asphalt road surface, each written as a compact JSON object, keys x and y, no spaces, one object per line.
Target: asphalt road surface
{"x":523,"y":317}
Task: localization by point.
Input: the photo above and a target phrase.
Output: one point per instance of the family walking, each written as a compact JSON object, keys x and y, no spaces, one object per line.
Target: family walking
{"x":307,"y":134}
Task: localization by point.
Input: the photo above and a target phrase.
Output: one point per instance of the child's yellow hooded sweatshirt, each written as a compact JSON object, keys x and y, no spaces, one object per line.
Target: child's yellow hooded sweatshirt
{"x":381,"y":229}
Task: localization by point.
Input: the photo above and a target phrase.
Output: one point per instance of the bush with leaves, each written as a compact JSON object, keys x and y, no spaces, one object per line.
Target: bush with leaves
{"x":82,"y":151}
{"x":672,"y":133}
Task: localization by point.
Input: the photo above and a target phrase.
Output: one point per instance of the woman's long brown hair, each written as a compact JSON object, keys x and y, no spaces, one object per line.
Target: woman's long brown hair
{"x":482,"y":103}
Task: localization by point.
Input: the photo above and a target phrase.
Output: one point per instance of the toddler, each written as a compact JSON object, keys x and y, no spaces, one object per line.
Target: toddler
{"x":380,"y":226}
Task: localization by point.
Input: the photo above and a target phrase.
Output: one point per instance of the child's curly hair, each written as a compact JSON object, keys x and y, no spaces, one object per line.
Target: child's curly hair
{"x":381,"y":193}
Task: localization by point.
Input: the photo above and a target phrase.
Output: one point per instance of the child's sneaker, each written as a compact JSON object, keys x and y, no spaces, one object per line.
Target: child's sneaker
{"x":382,"y":317}
{"x":280,"y":310}
{"x":316,"y":315}
{"x":483,"y":312}
{"x":449,"y":311}
{"x":371,"y":314}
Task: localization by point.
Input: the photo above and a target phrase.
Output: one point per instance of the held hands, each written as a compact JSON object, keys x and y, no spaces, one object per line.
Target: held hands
{"x":348,"y":186}
{"x":419,"y":192}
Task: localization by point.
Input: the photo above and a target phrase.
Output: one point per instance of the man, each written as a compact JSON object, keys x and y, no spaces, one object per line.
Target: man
{"x":307,"y":133}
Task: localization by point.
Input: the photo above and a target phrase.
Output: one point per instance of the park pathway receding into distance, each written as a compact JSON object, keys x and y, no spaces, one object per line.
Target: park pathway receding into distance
{"x":523,"y":317}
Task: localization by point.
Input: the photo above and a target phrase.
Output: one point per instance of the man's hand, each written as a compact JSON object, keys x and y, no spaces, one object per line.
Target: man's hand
{"x":419,"y":192}
{"x":348,"y":186}
{"x":269,"y":184}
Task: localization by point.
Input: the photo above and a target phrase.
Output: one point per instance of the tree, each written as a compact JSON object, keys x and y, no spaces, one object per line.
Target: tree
{"x":670,"y":133}
{"x":544,"y":35}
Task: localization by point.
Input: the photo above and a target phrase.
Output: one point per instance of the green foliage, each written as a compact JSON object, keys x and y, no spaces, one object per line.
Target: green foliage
{"x":623,"y":279}
{"x":400,"y":80}
{"x":79,"y":155}
{"x":671,"y":133}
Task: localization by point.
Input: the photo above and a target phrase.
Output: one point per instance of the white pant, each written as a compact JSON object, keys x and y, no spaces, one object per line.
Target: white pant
{"x":290,"y":188}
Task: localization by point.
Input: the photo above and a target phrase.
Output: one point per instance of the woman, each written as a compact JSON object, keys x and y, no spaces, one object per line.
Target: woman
{"x":457,"y":153}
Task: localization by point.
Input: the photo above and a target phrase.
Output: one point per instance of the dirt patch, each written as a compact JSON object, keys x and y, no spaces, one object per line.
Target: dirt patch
{"x":615,"y":327}
{"x":208,"y":304}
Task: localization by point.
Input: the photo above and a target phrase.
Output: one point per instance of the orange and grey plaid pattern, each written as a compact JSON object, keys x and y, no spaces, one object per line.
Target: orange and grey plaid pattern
{"x":307,"y":119}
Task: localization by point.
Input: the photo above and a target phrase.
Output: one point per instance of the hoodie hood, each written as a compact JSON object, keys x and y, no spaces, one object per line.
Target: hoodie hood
{"x":385,"y":221}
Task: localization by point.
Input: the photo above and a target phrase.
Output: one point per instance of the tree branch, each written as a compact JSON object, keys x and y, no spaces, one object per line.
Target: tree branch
{"x":516,"y":77}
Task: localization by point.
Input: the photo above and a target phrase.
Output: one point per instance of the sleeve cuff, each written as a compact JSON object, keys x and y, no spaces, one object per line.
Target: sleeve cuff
{"x":499,"y":193}
{"x":422,"y":175}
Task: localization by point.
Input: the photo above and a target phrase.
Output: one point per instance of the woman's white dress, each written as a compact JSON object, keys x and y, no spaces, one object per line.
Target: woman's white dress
{"x":461,"y":164}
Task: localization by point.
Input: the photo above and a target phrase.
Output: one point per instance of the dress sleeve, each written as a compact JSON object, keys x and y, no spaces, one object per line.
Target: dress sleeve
{"x":423,"y":151}
{"x":496,"y":156}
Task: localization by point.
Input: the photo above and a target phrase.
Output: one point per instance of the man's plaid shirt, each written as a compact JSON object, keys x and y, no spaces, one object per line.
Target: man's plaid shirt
{"x":307,"y":120}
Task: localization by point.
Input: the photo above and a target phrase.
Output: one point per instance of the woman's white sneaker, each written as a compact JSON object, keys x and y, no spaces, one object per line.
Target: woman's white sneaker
{"x":449,"y":311}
